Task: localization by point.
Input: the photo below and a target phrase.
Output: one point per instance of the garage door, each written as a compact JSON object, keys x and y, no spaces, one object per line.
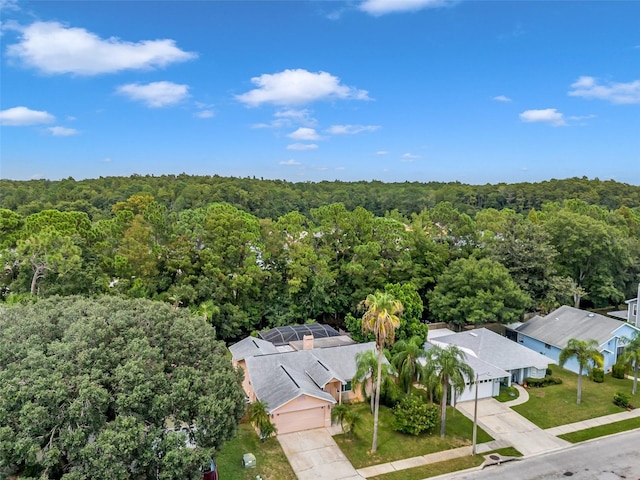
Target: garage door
{"x":300,"y":420}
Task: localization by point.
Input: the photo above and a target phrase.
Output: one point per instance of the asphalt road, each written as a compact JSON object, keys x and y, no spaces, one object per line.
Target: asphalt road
{"x":612,"y":458}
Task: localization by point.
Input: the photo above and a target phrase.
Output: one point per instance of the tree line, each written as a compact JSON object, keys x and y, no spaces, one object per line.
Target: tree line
{"x":242,"y":272}
{"x":275,"y":198}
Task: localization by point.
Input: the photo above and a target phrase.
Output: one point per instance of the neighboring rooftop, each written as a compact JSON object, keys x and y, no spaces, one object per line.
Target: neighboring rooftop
{"x":485,"y":370}
{"x":566,"y":323}
{"x":496,"y":349}
{"x":251,"y":347}
{"x":292,"y":333}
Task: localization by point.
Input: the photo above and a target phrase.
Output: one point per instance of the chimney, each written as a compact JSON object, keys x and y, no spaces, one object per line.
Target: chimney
{"x":307,"y":342}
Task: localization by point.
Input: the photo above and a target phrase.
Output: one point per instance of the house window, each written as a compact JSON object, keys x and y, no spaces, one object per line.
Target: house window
{"x":634,"y":312}
{"x":547,"y":346}
{"x":347,"y":387}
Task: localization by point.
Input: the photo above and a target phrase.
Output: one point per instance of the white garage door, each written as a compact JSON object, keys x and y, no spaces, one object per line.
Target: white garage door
{"x":300,"y":420}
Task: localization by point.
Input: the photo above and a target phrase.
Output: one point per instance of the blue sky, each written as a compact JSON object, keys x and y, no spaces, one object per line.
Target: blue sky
{"x":392,"y":90}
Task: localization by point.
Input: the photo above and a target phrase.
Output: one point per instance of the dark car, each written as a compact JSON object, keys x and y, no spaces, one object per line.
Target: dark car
{"x":210,"y":472}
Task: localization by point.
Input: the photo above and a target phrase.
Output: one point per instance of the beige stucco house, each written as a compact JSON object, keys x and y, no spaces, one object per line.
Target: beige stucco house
{"x":300,"y":383}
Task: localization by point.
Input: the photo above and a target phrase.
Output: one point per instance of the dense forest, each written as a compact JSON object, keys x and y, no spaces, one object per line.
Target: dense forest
{"x":247,"y":253}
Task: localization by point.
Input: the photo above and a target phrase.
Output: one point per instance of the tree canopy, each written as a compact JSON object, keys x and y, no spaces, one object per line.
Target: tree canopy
{"x":90,"y":388}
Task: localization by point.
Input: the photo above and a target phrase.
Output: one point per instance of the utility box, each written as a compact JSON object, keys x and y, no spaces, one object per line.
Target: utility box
{"x":248,"y":460}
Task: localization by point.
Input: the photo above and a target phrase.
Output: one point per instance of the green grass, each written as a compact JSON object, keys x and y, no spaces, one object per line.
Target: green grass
{"x":272,"y":464}
{"x":602,"y":430}
{"x":440,"y":468}
{"x":556,"y":404}
{"x":394,"y":445}
{"x":507,"y":394}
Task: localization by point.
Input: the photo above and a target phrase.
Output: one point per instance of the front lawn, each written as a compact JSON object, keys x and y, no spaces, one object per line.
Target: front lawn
{"x":555,"y":405}
{"x":272,"y":464}
{"x":507,"y":394}
{"x":394,"y":445}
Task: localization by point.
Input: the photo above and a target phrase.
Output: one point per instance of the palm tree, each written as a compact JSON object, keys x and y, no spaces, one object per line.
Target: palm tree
{"x":585,"y":351}
{"x":367,"y":368}
{"x":450,"y":367}
{"x":632,"y":355}
{"x":259,"y":418}
{"x":406,"y":355}
{"x":381,"y":319}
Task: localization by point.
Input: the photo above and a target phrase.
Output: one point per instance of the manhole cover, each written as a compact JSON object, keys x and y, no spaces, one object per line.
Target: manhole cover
{"x":494,"y":457}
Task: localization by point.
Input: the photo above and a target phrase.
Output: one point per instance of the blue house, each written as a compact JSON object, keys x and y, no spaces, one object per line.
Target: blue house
{"x":548,"y":335}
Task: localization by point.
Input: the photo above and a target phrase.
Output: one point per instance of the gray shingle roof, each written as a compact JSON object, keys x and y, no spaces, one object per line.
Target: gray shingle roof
{"x":250,"y":347}
{"x":496,"y":349}
{"x":281,"y":377}
{"x":566,"y":323}
{"x":485,"y":370}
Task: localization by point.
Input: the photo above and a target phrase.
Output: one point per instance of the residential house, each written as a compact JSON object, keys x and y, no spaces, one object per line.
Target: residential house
{"x":632,"y":313}
{"x":550,"y":334}
{"x":300,"y":382}
{"x":520,"y":362}
{"x":489,"y":376}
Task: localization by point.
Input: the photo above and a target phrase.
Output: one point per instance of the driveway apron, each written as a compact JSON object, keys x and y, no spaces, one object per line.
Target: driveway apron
{"x":504,"y":424}
{"x":314,"y":455}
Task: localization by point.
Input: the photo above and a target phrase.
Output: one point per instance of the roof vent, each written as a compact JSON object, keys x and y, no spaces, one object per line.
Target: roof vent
{"x":473,"y":334}
{"x":591,"y":315}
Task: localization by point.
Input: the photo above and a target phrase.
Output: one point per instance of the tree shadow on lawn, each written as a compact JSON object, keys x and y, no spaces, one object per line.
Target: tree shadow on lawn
{"x":394,"y":445}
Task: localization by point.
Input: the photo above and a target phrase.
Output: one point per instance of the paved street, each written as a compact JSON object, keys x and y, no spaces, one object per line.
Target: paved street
{"x":610,"y":458}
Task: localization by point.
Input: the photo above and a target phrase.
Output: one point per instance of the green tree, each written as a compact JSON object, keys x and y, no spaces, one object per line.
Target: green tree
{"x":632,"y":355}
{"x":382,"y":319}
{"x":406,"y":358}
{"x":89,"y":387}
{"x":413,"y":415}
{"x":450,"y":367}
{"x":586,"y":353}
{"x":592,"y":253}
{"x":477,"y":291}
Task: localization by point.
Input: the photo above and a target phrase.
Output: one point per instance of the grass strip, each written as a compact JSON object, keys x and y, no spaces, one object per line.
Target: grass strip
{"x":440,"y":468}
{"x":601,"y":431}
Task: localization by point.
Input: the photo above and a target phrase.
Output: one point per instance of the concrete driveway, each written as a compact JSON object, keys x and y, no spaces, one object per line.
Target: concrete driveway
{"x":314,"y":455}
{"x":502,"y":423}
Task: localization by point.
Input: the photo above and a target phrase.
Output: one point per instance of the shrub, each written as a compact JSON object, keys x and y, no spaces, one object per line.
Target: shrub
{"x":619,"y":370}
{"x":549,"y":372}
{"x":621,"y":400}
{"x":542,"y":382}
{"x":414,"y":416}
{"x":597,"y":375}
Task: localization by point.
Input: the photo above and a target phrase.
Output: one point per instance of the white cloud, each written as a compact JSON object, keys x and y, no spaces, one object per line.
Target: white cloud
{"x":291,"y":161}
{"x":382,"y":152}
{"x":620,"y":93}
{"x":410,"y":157}
{"x":579,"y":118}
{"x":106,"y":160}
{"x":502,"y":98}
{"x":22,"y":116}
{"x":381,"y":7}
{"x":298,"y":87}
{"x":56,"y":49}
{"x":302,"y":146}
{"x":305,"y":133}
{"x":155,"y":94}
{"x":547,"y":115}
{"x":351,"y":129}
{"x":204,"y":114}
{"x":302,"y":117}
{"x":62,"y":131}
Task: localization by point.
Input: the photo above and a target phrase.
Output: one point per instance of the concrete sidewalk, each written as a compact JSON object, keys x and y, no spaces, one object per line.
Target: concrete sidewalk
{"x":502,"y":423}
